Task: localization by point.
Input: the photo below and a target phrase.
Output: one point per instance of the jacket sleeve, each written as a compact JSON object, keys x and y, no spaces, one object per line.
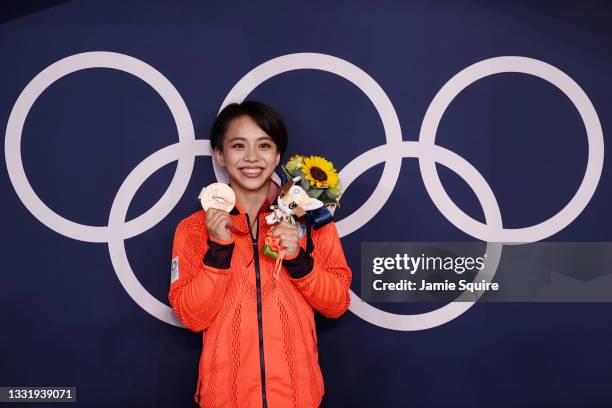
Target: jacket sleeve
{"x":323,"y":278}
{"x":200,"y":272}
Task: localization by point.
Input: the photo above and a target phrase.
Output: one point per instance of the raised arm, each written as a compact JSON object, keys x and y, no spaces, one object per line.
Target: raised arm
{"x":201,"y":270}
{"x":323,"y":278}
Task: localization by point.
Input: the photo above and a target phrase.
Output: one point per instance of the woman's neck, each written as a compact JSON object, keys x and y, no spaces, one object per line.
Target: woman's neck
{"x":251,"y":201}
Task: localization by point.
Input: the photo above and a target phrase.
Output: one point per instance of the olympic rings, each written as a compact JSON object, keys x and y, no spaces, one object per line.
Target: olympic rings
{"x":391,"y":154}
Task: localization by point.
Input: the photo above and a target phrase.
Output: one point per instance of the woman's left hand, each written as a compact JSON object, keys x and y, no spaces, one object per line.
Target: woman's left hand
{"x":288,"y":236}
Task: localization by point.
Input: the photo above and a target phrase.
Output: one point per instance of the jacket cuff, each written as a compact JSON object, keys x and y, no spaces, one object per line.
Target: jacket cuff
{"x":218,"y":255}
{"x":221,"y":241}
{"x":299,"y":266}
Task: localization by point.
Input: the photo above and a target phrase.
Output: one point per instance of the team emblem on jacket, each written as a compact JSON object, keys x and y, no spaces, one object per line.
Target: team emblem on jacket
{"x":174,"y":270}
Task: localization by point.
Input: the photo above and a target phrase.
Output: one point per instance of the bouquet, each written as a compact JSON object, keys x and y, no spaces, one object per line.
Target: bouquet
{"x":318,"y":178}
{"x":305,"y":199}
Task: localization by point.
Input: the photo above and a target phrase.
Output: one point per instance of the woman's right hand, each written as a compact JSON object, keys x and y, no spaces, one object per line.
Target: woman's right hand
{"x":218,"y":223}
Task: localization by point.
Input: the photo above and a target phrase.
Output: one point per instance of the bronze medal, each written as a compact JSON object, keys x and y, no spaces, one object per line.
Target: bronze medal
{"x":217,"y":195}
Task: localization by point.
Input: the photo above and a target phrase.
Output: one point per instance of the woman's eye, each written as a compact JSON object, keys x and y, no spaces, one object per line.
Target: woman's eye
{"x":265,"y":145}
{"x":237,"y":145}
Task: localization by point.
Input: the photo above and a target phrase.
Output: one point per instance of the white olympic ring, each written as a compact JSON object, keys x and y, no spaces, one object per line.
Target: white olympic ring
{"x":594,"y":137}
{"x":390,"y":154}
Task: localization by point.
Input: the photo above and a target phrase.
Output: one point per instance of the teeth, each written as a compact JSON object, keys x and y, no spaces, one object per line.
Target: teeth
{"x":251,"y":171}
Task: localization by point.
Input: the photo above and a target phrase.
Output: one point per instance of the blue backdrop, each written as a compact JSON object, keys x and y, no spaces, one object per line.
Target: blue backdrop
{"x":68,"y":321}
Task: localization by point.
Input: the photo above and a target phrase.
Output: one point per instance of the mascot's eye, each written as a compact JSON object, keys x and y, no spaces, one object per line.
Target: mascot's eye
{"x":296,"y":191}
{"x":292,"y":205}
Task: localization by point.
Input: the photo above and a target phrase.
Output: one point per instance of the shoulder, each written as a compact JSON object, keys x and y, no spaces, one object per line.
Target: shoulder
{"x":329,"y":227}
{"x":193,"y":224}
{"x":327,"y":231}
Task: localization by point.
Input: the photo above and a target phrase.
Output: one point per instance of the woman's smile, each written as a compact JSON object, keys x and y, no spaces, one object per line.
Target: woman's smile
{"x":252,"y":172}
{"x":249,"y":155}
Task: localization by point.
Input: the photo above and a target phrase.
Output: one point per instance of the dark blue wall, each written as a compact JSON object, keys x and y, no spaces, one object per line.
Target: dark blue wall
{"x":66,"y":319}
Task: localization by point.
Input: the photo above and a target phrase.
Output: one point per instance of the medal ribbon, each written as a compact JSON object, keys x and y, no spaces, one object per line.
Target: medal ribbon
{"x":274,"y":244}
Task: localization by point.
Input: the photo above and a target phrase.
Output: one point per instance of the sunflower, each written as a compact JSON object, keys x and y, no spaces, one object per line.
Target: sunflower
{"x":319,"y":172}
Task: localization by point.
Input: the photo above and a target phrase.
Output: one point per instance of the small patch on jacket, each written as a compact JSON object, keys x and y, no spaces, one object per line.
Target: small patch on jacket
{"x":174,"y":270}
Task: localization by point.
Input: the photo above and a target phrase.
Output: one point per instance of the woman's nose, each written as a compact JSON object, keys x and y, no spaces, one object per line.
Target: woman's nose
{"x":251,"y":154}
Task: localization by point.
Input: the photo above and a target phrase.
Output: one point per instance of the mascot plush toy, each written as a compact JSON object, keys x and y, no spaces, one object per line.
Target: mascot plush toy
{"x":292,"y":204}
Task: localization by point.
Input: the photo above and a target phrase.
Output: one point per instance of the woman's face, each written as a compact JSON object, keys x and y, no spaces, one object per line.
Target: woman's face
{"x":249,"y":154}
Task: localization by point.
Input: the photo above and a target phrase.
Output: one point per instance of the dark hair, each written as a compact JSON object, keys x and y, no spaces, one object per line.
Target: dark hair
{"x":266,"y":118}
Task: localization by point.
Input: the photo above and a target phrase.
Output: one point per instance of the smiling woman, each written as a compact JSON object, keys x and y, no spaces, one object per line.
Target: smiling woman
{"x":261,"y":344}
{"x":248,"y":140}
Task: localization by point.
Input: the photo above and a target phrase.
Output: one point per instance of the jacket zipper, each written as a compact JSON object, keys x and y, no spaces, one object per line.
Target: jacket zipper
{"x":262,"y":367}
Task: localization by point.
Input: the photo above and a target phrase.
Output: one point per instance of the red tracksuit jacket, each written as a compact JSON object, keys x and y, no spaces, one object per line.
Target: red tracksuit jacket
{"x":260,"y":347}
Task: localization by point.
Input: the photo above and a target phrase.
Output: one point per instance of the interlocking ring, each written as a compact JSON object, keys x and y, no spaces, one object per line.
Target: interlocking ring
{"x":391,"y":154}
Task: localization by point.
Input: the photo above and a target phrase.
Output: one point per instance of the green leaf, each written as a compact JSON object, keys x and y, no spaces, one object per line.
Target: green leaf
{"x":327,"y":200}
{"x":329,"y":194}
{"x":315,"y":192}
{"x":291,"y":174}
{"x":305,"y":184}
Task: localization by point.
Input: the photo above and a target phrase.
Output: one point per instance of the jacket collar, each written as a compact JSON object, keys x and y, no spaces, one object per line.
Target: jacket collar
{"x":239,"y":222}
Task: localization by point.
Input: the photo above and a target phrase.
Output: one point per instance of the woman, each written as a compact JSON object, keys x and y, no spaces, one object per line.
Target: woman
{"x":261,"y":344}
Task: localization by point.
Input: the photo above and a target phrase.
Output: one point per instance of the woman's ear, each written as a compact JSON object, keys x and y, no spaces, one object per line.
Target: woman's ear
{"x":277,"y":159}
{"x":219,"y":156}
